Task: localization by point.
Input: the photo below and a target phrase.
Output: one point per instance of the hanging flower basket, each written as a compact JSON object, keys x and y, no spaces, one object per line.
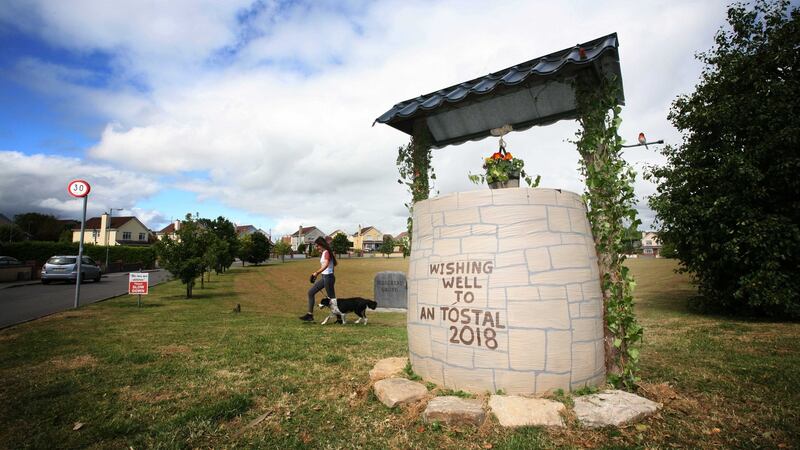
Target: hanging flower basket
{"x":511,"y":183}
{"x":503,"y":170}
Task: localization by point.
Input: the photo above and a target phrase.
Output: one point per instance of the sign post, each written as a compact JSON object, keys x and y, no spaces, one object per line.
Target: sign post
{"x":79,"y":189}
{"x":138,"y":283}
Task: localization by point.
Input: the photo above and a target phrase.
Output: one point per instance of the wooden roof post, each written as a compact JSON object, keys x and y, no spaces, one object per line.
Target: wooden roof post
{"x":421,"y":155}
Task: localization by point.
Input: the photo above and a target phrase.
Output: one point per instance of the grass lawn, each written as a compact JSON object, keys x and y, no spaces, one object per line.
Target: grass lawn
{"x":181,"y":373}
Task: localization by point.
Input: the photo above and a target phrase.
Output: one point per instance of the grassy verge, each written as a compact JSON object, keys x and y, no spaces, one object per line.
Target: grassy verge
{"x":191,"y":373}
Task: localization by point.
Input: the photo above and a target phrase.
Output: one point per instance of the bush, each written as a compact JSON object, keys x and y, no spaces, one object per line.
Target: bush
{"x":727,"y":197}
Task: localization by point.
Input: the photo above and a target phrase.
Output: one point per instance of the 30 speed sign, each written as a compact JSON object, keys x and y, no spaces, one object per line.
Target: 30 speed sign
{"x":78,"y":188}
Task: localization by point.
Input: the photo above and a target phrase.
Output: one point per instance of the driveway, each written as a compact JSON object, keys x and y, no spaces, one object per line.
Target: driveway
{"x":20,"y":302}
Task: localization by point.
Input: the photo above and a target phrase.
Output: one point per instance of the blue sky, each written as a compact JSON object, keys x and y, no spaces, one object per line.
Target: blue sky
{"x":262,"y":111}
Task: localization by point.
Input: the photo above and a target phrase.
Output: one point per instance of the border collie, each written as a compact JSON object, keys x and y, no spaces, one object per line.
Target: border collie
{"x":341,"y":306}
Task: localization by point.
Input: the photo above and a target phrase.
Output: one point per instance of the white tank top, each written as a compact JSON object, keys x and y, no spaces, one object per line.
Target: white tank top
{"x":329,"y":269}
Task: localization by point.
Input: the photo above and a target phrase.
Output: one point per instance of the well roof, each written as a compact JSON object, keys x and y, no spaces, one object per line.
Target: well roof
{"x":535,"y":92}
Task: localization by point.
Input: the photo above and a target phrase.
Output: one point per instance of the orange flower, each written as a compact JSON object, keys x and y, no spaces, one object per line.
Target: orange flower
{"x":508,"y":156}
{"x":497,"y":156}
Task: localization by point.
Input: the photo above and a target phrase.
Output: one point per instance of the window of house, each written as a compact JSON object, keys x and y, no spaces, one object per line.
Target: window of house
{"x":648,"y":251}
{"x":141,"y":236}
{"x":648,"y":242}
{"x":126,"y":235}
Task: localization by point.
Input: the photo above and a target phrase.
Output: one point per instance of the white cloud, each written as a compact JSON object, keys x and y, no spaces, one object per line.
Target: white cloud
{"x":39,"y":183}
{"x":283,"y":127}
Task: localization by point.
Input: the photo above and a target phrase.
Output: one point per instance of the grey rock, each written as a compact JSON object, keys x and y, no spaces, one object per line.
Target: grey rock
{"x":612,"y":408}
{"x":399,"y":391}
{"x":454,"y":411}
{"x":391,"y":289}
{"x":515,"y":411}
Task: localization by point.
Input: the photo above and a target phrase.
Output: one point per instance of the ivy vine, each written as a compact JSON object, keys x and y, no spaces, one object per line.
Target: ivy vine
{"x":416,"y":171}
{"x":610,"y":199}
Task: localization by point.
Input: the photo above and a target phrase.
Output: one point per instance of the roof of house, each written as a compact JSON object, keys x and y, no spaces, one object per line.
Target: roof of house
{"x":116,"y":222}
{"x":465,"y":112}
{"x":248,"y":229}
{"x":169,"y":229}
{"x":366,"y":230}
{"x":306,"y":230}
{"x":401,"y":235}
{"x":69,"y":222}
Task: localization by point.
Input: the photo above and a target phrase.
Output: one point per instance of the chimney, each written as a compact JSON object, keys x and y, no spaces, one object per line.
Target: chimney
{"x":177,"y":225}
{"x":104,"y":227}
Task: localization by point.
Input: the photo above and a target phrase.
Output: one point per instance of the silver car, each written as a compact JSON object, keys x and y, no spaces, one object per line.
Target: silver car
{"x":65,"y":268}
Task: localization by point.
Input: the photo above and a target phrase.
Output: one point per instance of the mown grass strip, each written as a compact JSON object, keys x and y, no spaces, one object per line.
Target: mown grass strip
{"x":191,"y":373}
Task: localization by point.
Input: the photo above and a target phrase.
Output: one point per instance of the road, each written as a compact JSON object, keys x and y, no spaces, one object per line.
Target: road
{"x":31,"y":301}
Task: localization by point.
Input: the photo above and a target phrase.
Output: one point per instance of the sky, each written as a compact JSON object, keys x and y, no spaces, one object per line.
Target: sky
{"x":262,"y":111}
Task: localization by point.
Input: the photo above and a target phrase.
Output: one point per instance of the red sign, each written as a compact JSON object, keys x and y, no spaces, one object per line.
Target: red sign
{"x":78,"y":188}
{"x":137,"y":287}
{"x":138,"y":283}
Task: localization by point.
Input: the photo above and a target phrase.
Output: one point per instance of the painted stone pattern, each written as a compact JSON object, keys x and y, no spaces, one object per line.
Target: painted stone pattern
{"x":504,"y":292}
{"x":390,"y":289}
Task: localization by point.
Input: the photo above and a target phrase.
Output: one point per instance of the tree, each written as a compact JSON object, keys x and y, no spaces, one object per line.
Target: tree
{"x":728,"y":201}
{"x":217,"y":252}
{"x":282,"y":248}
{"x":40,"y":227}
{"x":245,"y":247}
{"x":301,"y":248}
{"x":632,"y":241}
{"x":260,"y":248}
{"x":11,"y":232}
{"x":405,"y":246}
{"x":387,"y":247}
{"x":226,"y":232}
{"x":340,"y":244}
{"x":183,"y":257}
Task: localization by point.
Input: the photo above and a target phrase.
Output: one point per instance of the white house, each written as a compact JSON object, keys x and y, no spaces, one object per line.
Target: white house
{"x":305,"y":235}
{"x":651,"y":246}
{"x":122,"y":230}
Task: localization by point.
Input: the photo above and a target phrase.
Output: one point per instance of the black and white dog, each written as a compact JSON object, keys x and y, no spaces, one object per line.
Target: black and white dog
{"x":341,"y":306}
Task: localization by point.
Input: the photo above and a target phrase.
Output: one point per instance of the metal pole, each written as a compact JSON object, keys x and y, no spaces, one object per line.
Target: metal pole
{"x":660,"y":141}
{"x":80,"y":253}
{"x":108,"y":225}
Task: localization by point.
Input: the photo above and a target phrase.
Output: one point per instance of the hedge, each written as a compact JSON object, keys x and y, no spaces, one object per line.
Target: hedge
{"x":41,"y":251}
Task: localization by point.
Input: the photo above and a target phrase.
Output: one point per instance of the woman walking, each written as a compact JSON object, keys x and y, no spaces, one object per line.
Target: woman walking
{"x":327,"y":261}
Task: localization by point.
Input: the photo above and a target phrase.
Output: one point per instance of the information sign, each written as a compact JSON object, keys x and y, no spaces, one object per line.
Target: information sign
{"x":138,"y":283}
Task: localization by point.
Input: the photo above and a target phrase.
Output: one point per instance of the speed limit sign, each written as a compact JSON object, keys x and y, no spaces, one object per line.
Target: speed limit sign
{"x":78,"y":188}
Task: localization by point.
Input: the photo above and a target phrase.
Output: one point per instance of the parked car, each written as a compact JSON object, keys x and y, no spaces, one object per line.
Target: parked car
{"x":9,"y":261}
{"x":65,"y":268}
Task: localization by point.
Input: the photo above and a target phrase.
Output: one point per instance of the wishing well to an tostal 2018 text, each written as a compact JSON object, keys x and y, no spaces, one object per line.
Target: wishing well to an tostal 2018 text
{"x":471,"y":326}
